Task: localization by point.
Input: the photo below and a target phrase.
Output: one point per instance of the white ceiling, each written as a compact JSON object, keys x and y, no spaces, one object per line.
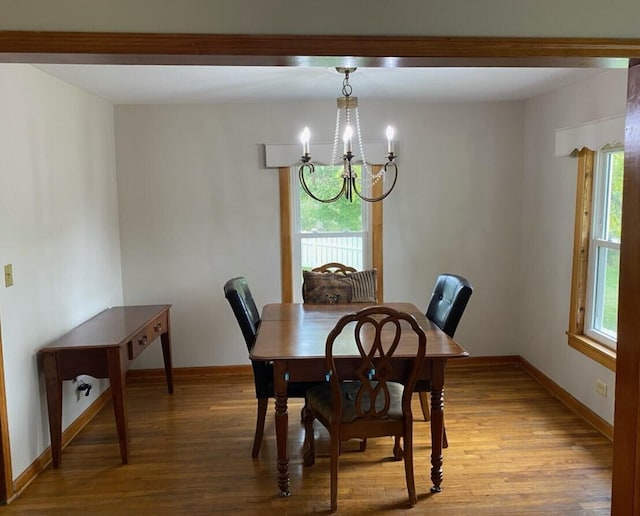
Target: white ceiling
{"x":126,"y":84}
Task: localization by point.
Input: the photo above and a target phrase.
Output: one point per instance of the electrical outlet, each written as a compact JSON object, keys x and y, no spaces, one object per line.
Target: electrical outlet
{"x":601,"y":388}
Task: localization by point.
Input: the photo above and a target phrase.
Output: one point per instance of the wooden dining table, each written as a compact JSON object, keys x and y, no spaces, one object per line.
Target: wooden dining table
{"x":293,"y":337}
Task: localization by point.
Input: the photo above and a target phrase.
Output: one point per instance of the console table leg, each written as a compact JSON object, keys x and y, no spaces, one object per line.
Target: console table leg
{"x":116,"y":378}
{"x":54,"y":406}
{"x":166,"y":355}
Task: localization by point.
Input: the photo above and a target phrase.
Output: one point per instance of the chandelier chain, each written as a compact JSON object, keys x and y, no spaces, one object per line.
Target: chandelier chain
{"x":346,"y":87}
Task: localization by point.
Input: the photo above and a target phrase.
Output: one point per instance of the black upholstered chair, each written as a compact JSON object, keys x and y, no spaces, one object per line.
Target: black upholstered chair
{"x":449,"y":299}
{"x":238,"y":294}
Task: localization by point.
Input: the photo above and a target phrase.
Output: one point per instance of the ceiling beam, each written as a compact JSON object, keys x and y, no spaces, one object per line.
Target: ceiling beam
{"x":330,"y":51}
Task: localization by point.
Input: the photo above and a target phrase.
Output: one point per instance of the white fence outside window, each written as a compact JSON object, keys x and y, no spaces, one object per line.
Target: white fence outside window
{"x":318,"y":249}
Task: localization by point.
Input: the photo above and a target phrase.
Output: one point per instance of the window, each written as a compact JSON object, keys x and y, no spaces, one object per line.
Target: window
{"x":604,"y":265}
{"x":596,"y":263}
{"x":328,"y":232}
{"x":314,"y":233}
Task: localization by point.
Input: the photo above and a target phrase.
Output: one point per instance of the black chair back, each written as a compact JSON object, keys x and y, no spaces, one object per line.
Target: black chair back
{"x":449,"y":299}
{"x":238,"y":294}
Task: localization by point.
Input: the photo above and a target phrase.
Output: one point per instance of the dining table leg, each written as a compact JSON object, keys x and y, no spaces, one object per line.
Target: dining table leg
{"x":282,"y":424}
{"x":437,"y":423}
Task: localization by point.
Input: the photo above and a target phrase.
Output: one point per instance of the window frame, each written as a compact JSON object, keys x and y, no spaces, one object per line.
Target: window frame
{"x":287,"y":238}
{"x":577,"y":338}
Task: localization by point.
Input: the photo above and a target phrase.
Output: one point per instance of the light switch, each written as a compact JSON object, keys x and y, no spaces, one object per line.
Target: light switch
{"x":8,"y":275}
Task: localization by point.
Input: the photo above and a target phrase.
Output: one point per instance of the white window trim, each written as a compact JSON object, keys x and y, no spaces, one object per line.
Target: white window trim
{"x":593,"y":134}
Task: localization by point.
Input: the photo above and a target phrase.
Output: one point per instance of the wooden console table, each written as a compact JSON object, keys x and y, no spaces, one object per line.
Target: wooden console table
{"x":103,"y":347}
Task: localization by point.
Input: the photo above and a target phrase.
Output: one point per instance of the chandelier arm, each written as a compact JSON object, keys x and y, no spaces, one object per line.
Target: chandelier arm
{"x":310,"y":168}
{"x":384,"y":195}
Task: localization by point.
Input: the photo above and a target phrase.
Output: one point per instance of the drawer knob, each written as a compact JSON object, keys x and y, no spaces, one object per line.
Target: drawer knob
{"x":158,"y":327}
{"x":142,"y":341}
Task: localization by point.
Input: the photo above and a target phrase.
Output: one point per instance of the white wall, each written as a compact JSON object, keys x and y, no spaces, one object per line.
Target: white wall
{"x":575,"y":18}
{"x":197,"y":207}
{"x":59,"y":230}
{"x":548,"y":214}
{"x":456,"y":208}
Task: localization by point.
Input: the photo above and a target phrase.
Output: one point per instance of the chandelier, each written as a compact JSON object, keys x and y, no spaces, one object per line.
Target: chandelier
{"x":349,"y":187}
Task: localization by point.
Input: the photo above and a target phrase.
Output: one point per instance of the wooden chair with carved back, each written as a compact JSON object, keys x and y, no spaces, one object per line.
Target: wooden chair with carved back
{"x":334,"y":267}
{"x":374,"y":405}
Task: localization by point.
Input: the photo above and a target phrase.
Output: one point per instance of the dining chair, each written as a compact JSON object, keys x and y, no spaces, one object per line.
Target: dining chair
{"x":449,"y":299}
{"x":237,"y":292}
{"x":337,"y":283}
{"x":373,"y":405}
{"x":334,"y":267}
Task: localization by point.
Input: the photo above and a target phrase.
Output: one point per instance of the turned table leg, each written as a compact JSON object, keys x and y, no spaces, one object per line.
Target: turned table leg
{"x":282,"y":425}
{"x":437,"y":423}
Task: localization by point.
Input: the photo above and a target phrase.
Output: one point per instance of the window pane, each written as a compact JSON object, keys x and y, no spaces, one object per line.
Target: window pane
{"x":338,"y":216}
{"x":606,"y":303}
{"x":316,"y":251}
{"x":614,"y":196}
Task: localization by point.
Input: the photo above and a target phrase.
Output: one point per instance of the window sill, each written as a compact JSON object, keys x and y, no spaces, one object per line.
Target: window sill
{"x":594,"y":350}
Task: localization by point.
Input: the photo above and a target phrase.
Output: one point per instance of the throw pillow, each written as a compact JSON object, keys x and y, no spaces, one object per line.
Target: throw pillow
{"x":326,"y":288}
{"x":364,"y":286}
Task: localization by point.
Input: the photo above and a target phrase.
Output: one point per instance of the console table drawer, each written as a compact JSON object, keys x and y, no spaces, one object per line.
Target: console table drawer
{"x":151,"y":332}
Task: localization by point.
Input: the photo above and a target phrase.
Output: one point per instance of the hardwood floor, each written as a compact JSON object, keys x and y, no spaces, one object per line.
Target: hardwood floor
{"x":513,"y":449}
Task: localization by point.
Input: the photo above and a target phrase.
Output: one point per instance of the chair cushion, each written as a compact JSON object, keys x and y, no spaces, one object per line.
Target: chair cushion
{"x":326,"y":288}
{"x":365,"y":286}
{"x":319,"y":399}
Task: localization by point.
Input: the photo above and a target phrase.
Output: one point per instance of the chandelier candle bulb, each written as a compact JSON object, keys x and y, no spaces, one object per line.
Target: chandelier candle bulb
{"x":390,"y":135}
{"x":305,"y":136}
{"x":348,"y":133}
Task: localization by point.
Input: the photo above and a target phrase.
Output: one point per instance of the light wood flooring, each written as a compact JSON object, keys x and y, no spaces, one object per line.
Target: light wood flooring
{"x":513,"y":449}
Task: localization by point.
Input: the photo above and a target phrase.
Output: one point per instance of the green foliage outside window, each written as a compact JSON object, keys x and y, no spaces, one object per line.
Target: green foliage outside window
{"x":614,"y":230}
{"x":337,"y":216}
{"x":615,"y":197}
